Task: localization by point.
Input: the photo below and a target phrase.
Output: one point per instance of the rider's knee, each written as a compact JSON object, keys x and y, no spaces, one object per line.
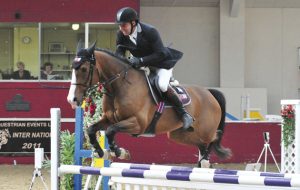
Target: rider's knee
{"x":163,"y":85}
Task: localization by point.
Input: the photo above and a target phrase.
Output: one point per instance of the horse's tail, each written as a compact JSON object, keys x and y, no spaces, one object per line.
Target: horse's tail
{"x":216,"y":145}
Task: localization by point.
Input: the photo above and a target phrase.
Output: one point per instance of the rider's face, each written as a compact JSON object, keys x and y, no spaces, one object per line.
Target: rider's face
{"x":126,"y":28}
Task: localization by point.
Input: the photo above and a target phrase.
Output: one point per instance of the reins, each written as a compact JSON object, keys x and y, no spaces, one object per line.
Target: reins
{"x":109,"y":81}
{"x":116,"y":76}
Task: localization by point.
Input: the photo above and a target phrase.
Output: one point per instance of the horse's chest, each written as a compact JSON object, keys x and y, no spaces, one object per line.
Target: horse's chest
{"x":121,"y":109}
{"x":116,"y":110}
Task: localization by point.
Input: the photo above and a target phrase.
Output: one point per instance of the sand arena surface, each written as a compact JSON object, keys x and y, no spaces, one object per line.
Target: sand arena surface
{"x":19,"y":177}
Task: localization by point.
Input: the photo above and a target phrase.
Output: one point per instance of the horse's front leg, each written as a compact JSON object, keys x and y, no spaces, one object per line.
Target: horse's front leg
{"x":126,"y":126}
{"x":92,"y":131}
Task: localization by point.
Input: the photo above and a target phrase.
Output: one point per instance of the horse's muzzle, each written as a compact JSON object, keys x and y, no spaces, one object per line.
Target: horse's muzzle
{"x":74,"y":103}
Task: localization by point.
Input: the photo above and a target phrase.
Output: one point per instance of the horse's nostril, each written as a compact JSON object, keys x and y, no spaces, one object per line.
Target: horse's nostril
{"x":74,"y":99}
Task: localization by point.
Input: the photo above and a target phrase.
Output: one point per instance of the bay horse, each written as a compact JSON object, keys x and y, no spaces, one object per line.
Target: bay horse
{"x":128,"y":106}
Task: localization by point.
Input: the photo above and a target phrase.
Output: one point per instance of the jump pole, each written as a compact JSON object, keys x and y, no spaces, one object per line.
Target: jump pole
{"x":79,"y":151}
{"x":82,"y":153}
{"x":164,"y":168}
{"x":169,"y":178}
{"x":55,"y":161}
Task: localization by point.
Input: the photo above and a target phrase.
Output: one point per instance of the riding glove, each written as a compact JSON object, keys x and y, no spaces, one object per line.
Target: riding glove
{"x":135,"y":62}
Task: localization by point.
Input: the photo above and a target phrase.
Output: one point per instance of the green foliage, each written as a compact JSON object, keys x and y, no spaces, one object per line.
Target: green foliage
{"x":67,"y":148}
{"x":288,"y":125}
{"x":92,"y":106}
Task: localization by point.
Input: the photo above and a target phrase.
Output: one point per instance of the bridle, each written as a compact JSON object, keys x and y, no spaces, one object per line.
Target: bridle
{"x":109,"y":81}
{"x":89,"y":78}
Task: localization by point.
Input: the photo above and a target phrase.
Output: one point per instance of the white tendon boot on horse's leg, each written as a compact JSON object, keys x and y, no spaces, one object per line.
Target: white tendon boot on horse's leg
{"x":203,"y":162}
{"x":124,"y":154}
{"x":106,"y":155}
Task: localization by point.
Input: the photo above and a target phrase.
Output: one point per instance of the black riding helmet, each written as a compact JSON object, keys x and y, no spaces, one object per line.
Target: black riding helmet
{"x":125,"y":15}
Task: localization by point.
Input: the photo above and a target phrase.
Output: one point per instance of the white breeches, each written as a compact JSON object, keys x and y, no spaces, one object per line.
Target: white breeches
{"x":164,"y":76}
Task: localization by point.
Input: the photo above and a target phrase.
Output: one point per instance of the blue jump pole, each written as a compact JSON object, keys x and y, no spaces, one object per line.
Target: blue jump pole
{"x":81,"y":153}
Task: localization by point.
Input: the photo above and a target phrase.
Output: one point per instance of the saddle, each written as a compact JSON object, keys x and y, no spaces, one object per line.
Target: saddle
{"x":152,"y":80}
{"x":161,"y":103}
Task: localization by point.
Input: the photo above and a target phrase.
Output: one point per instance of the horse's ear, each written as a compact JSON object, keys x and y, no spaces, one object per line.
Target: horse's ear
{"x":80,"y":45}
{"x":91,"y":49}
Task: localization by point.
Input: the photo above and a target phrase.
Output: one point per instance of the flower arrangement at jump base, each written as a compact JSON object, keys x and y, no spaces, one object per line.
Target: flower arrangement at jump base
{"x":288,"y":125}
{"x":92,"y":105}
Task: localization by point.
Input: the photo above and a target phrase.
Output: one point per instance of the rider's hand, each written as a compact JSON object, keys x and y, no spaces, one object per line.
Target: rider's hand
{"x":135,"y":62}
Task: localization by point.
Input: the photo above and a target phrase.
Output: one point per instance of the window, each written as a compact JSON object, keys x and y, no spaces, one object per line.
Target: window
{"x":19,"y":43}
{"x":48,"y":49}
{"x":58,"y":49}
{"x":104,"y":34}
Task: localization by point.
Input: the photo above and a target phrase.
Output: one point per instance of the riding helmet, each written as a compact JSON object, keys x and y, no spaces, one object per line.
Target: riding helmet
{"x":126,"y":14}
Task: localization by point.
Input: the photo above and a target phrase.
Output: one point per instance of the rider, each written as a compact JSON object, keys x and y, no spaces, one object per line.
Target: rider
{"x":145,"y":45}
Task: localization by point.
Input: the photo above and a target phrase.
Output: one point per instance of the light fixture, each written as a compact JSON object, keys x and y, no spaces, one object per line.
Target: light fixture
{"x":75,"y":26}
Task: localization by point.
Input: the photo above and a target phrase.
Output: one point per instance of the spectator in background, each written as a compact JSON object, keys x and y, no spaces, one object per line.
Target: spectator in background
{"x":48,"y":73}
{"x":21,"y":74}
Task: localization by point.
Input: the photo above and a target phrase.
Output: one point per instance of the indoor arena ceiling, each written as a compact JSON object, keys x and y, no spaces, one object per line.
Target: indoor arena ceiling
{"x":215,"y":3}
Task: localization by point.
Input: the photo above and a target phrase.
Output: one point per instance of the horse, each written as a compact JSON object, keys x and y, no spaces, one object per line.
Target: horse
{"x":128,"y":106}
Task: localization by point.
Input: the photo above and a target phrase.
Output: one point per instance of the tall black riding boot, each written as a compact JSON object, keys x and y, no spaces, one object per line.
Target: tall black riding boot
{"x":187,"y":119}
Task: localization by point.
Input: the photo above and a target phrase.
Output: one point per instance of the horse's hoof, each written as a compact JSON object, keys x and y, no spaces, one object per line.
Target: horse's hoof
{"x":95,"y":155}
{"x":112,"y":154}
{"x":124,"y":154}
{"x":107,"y":155}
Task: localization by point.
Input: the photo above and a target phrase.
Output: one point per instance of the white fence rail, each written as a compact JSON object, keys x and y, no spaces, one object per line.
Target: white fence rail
{"x":290,"y":156}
